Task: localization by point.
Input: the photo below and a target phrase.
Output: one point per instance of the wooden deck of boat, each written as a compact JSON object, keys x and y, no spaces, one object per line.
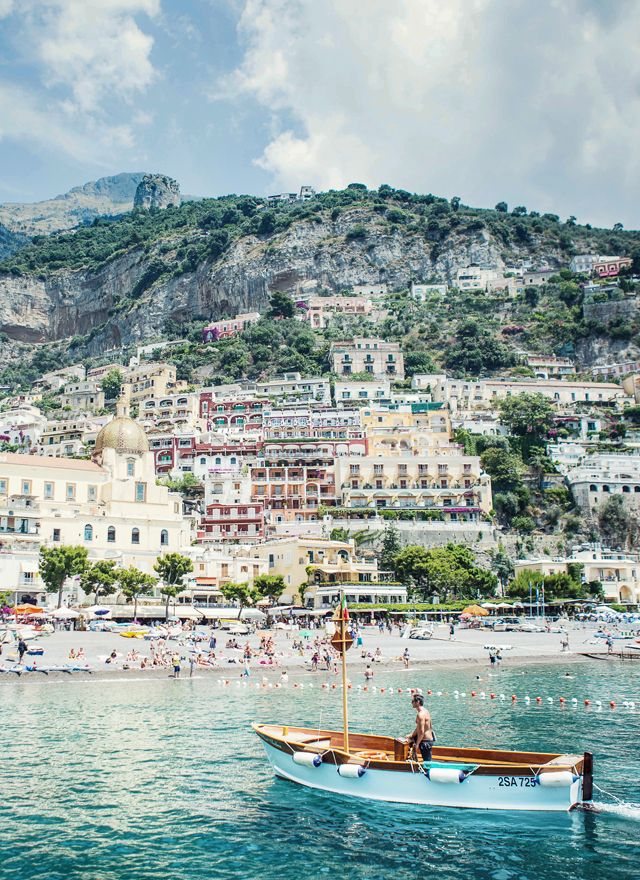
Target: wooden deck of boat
{"x":388,"y":753}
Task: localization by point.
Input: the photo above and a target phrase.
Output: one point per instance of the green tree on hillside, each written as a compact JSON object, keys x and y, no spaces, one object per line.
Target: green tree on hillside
{"x":241,"y":593}
{"x":56,"y":564}
{"x":135,"y":583}
{"x":99,"y":578}
{"x":527,"y":415}
{"x":112,"y":384}
{"x":281,"y":305}
{"x":172,"y":568}
{"x":269,"y":586}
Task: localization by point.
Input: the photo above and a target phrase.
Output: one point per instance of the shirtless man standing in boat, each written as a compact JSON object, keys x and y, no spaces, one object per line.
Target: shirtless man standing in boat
{"x":423,"y":737}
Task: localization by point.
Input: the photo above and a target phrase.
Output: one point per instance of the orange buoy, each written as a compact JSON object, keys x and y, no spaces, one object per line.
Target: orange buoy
{"x":513,"y":698}
{"x":612,"y":704}
{"x":492,"y":696}
{"x":587,"y":702}
{"x":429,"y":693}
{"x":538,"y":699}
{"x":473,"y":693}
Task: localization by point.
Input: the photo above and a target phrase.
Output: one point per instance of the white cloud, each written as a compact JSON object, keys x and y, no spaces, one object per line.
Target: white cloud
{"x":535,"y":103}
{"x":95,"y":49}
{"x":92,"y":57}
{"x":24,"y":118}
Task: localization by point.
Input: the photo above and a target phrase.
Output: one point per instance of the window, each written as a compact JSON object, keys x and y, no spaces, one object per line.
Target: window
{"x":92,"y":493}
{"x":88,"y":533}
{"x":164,"y":537}
{"x":593,"y":488}
{"x":56,"y":535}
{"x":3,"y":487}
{"x":26,"y":487}
{"x":71,"y":491}
{"x":203,"y":460}
{"x":605,"y":488}
{"x":48,"y":490}
{"x":135,"y":536}
{"x":131,"y":467}
{"x":626,"y":489}
{"x":141,"y":492}
{"x":111,"y":535}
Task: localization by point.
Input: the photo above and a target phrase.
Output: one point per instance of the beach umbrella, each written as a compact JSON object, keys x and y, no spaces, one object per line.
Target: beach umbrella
{"x":489,"y":606}
{"x":28,"y":609}
{"x":475,"y":611}
{"x":98,"y":610}
{"x":504,"y":605}
{"x":65,"y":614}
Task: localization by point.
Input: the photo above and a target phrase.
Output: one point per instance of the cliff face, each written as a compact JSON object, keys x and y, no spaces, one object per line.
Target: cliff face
{"x":308,"y":255}
{"x":105,"y":304}
{"x":106,"y":196}
{"x":157,"y":191}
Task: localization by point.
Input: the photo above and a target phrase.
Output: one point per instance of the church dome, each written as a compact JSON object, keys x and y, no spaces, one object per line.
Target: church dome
{"x":122,"y":434}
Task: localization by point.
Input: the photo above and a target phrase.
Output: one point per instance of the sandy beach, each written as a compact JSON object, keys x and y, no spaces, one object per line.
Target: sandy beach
{"x":469,"y":647}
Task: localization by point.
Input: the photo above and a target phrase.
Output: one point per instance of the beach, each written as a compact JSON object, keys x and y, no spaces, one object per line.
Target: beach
{"x":380,"y":651}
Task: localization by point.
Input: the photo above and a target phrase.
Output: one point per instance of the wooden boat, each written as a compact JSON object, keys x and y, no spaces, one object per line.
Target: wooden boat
{"x":381,"y":768}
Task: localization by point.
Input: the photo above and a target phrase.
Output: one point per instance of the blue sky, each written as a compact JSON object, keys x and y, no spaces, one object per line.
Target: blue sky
{"x":531,"y":103}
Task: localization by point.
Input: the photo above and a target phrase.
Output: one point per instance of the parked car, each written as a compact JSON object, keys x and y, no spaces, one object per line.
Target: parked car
{"x":507,"y":624}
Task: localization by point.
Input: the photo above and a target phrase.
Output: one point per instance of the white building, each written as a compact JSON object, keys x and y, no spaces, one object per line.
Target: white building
{"x":22,"y":426}
{"x":422,"y":292}
{"x":600,"y":476}
{"x":110,"y":505}
{"x":347,"y":393}
{"x":619,"y":573}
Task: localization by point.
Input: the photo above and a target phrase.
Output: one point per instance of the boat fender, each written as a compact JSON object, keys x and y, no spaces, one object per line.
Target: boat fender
{"x":351,"y":771}
{"x":307,"y":759}
{"x":556,"y":779}
{"x":446,"y":775}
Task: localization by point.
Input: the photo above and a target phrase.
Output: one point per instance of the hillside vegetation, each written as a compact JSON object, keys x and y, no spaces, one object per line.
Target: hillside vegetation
{"x":182,"y":248}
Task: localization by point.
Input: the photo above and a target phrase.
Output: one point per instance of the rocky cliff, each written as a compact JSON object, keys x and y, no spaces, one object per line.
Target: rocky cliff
{"x":107,"y":196}
{"x":308,"y":255}
{"x":219,"y":257}
{"x":157,"y":191}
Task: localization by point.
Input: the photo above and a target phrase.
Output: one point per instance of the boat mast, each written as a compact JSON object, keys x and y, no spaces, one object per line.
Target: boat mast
{"x":342,"y":641}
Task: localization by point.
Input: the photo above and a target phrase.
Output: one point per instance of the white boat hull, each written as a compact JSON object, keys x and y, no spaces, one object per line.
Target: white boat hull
{"x":478,"y":792}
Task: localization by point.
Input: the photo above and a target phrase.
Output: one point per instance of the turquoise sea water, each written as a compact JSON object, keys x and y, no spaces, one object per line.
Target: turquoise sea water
{"x":141,"y":779}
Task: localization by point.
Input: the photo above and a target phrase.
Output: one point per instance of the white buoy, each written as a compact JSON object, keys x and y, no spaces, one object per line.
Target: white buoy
{"x":439,"y":694}
{"x":549,"y":699}
{"x":502,"y":696}
{"x":527,"y":699}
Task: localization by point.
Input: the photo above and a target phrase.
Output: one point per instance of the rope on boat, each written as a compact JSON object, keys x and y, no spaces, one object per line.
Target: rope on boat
{"x":608,"y":794}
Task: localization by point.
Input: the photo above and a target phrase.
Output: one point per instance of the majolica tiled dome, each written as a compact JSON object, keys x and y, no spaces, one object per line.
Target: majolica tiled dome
{"x":122,"y":434}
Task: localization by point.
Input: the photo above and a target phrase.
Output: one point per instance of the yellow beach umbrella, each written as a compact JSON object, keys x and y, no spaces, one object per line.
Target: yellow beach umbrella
{"x":475,"y":611}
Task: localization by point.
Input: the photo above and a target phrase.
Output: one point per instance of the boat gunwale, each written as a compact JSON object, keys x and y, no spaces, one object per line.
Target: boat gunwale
{"x":485,"y":767}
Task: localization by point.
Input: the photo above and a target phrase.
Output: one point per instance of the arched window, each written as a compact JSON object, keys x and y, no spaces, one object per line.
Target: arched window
{"x":111,"y":535}
{"x":605,"y":488}
{"x":164,"y":537}
{"x":203,"y":460}
{"x":626,"y":488}
{"x":88,"y":533}
{"x":636,"y":488}
{"x":593,"y":488}
{"x":135,"y":536}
